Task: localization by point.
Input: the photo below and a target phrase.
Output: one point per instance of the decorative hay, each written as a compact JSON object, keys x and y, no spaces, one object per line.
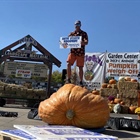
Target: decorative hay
{"x":129,"y":93}
{"x":114,"y":86}
{"x":106,"y":92}
{"x":127,"y":85}
{"x":126,"y":101}
{"x":1,"y":88}
{"x":130,"y":101}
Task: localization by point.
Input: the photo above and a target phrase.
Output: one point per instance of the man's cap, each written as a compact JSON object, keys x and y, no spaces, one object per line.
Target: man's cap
{"x":77,"y":22}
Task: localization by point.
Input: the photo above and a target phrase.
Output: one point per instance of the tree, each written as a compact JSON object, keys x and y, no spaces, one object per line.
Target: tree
{"x":56,"y":77}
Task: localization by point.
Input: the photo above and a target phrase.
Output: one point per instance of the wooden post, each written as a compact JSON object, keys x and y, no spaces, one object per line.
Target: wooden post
{"x":49,"y":81}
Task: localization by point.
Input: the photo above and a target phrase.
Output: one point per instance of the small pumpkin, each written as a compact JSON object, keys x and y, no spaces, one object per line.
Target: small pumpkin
{"x":74,"y":105}
{"x":132,"y":109}
{"x":127,"y":78}
{"x":96,"y":92}
{"x":104,"y":85}
{"x":112,"y":81}
{"x":117,"y":100}
{"x":133,"y":80}
{"x":109,"y":86}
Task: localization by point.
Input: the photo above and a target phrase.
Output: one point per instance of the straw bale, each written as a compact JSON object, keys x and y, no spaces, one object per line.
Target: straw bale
{"x":114,"y":86}
{"x":40,"y":91}
{"x":134,"y":101}
{"x":130,"y":101}
{"x":21,"y":92}
{"x":129,"y":93}
{"x":127,"y":85}
{"x":1,"y":88}
{"x":30,"y":94}
{"x":124,"y":109}
{"x":105,"y":92}
{"x":126,"y":101}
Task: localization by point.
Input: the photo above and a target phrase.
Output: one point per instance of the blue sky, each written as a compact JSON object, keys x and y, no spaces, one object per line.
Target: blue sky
{"x":112,"y":25}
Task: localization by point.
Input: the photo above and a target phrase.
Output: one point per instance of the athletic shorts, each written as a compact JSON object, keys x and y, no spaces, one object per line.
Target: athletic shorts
{"x":74,"y":58}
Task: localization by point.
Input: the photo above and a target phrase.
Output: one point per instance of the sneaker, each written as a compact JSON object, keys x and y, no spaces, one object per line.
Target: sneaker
{"x":81,"y":84}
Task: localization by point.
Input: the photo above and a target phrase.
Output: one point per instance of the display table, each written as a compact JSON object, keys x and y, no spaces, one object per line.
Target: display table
{"x":118,"y":123}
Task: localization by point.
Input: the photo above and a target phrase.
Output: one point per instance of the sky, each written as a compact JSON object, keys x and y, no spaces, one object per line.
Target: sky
{"x":111,"y":25}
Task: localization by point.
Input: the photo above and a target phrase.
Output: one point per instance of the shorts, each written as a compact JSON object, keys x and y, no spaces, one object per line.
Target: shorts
{"x":79,"y":59}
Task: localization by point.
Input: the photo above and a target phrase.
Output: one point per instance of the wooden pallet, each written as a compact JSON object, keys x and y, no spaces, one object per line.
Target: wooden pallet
{"x":8,"y":137}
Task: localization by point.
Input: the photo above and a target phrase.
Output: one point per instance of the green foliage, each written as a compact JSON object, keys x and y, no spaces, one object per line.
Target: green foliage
{"x":56,"y":77}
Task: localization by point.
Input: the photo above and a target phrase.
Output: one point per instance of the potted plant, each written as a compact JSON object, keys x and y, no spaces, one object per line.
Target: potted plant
{"x":137,"y":111}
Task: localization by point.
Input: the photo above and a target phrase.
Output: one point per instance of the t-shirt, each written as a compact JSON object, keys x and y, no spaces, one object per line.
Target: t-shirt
{"x":79,"y":51}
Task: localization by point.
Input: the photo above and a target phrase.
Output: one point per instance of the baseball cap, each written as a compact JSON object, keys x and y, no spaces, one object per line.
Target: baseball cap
{"x":78,"y":22}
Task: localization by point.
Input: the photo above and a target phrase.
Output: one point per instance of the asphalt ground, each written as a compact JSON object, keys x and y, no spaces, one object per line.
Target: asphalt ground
{"x":8,"y":122}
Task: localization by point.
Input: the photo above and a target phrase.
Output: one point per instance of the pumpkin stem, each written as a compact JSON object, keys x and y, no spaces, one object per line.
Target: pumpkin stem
{"x":70,"y":114}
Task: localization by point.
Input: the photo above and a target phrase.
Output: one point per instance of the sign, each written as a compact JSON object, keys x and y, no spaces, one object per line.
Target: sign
{"x":93,"y":70}
{"x":70,"y":42}
{"x":24,"y":54}
{"x":122,"y":64}
{"x":28,"y":40}
{"x":36,"y":69}
{"x":23,"y":73}
{"x":57,"y":132}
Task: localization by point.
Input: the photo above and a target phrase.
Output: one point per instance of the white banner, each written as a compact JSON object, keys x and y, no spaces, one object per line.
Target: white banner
{"x":93,"y":70}
{"x":70,"y":42}
{"x":122,"y":64}
{"x":23,"y":73}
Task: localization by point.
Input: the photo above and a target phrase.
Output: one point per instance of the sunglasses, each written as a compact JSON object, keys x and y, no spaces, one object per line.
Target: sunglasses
{"x":77,"y":24}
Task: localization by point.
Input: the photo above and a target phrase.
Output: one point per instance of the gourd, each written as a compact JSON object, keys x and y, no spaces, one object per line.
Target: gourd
{"x":112,"y":81}
{"x":127,"y":78}
{"x":96,"y":92}
{"x":132,"y":109}
{"x":104,"y":85}
{"x":74,"y":105}
{"x":133,"y":80}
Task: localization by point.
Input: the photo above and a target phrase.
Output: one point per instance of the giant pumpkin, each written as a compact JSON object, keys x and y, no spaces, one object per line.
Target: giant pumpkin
{"x":74,"y":105}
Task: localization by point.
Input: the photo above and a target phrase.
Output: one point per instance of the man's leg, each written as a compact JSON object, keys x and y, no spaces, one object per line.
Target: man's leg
{"x":80,"y":64}
{"x":81,"y":73}
{"x":70,"y":61}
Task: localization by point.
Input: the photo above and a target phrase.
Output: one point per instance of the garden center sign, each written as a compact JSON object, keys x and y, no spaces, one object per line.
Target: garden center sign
{"x":98,"y":66}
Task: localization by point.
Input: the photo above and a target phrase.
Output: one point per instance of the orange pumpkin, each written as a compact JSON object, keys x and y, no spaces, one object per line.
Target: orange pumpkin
{"x":117,"y":100}
{"x":132,"y":109}
{"x":133,"y":80}
{"x":127,"y":78}
{"x":74,"y":105}
{"x":96,"y":92}
{"x":109,"y":86}
{"x":104,"y":85}
{"x":112,"y":81}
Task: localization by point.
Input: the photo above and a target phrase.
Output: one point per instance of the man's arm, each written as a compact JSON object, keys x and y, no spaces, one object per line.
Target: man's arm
{"x":85,"y":39}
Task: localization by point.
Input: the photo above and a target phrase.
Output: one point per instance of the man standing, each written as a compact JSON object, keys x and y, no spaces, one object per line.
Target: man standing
{"x":77,"y":54}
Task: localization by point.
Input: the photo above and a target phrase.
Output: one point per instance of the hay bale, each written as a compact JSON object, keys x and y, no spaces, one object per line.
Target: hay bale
{"x":114,"y":86}
{"x":127,"y":85}
{"x":30,"y":94}
{"x":129,"y":93}
{"x":126,"y":101}
{"x":1,"y":88}
{"x":106,"y":92}
{"x":21,"y":92}
{"x":134,"y":101}
{"x":130,"y":101}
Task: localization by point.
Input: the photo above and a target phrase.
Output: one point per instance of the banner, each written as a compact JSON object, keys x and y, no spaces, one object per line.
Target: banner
{"x":93,"y":70}
{"x":70,"y":42}
{"x":23,"y":73}
{"x":122,"y":64}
